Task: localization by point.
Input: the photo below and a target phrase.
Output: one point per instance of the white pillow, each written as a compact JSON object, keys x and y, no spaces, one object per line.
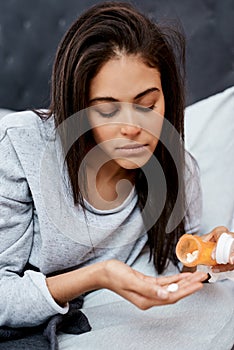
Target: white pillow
{"x":4,"y":111}
{"x":209,"y":136}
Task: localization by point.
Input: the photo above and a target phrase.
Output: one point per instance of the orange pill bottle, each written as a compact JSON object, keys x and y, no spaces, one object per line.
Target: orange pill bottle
{"x":192,"y":251}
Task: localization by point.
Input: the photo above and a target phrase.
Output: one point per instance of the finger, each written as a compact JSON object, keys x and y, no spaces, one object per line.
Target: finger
{"x":143,"y":302}
{"x":160,"y":296}
{"x":145,"y":295}
{"x":147,"y":286}
{"x":155,"y":288}
{"x":232,"y":259}
{"x":222,"y":268}
{"x":190,"y":284}
{"x":198,"y":276}
{"x":207,"y":237}
{"x":185,"y":290}
{"x":161,"y":280}
{"x":183,"y":278}
{"x":165,"y":280}
{"x":218,"y":231}
{"x":186,"y":282}
{"x":215,"y":233}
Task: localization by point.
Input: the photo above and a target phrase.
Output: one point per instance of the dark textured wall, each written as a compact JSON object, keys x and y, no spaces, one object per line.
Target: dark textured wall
{"x":31,"y":30}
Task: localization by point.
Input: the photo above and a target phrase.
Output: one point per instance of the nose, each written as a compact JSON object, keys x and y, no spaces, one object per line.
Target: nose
{"x":130,"y":123}
{"x":130,"y":130}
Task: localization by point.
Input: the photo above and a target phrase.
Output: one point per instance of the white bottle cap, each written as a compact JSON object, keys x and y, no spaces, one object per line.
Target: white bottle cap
{"x":223,"y":248}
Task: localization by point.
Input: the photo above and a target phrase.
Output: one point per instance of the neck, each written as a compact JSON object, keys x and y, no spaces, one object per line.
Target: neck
{"x":108,"y":184}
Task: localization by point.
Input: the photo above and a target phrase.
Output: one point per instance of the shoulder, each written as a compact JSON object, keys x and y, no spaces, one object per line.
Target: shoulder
{"x":193,"y":194}
{"x":191,"y":166}
{"x":18,"y":122}
{"x":192,"y":178}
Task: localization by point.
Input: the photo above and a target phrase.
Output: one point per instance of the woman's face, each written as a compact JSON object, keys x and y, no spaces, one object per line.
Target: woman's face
{"x":126,"y":109}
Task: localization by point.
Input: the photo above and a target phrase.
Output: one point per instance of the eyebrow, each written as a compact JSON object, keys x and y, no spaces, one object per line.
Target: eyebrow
{"x":112,"y":99}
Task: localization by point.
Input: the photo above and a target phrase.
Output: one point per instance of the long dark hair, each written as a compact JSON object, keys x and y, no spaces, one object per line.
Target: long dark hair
{"x":92,"y":40}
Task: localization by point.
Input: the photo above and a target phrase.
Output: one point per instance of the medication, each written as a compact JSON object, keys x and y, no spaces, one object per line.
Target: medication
{"x":192,"y":256}
{"x":173,"y":287}
{"x":192,"y":250}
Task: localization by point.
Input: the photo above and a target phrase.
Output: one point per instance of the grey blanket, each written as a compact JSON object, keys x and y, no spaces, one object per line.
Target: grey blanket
{"x":44,"y":337}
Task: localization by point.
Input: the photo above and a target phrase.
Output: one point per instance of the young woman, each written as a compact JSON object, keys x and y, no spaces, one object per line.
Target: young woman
{"x":101,"y":176}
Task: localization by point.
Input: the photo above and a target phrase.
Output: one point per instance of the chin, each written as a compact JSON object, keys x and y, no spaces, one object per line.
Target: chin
{"x":130,"y":164}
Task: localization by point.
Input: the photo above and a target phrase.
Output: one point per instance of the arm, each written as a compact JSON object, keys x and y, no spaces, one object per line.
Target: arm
{"x":25,"y":299}
{"x":143,"y":291}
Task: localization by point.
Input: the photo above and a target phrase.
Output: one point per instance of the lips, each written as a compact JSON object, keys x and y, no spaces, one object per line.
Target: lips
{"x":131,"y":146}
{"x":131,"y":149}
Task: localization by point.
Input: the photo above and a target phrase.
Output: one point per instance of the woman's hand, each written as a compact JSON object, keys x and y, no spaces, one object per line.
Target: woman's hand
{"x":141,"y":290}
{"x":145,"y":291}
{"x":214,"y":236}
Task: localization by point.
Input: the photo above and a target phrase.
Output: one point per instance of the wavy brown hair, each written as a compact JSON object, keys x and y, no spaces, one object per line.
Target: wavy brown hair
{"x":93,"y":39}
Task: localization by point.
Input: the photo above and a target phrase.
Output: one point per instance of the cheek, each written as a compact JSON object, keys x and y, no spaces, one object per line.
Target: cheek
{"x":103,"y":133}
{"x":153,"y":127}
{"x":161,"y":105}
{"x":153,"y":144}
{"x":96,"y":135}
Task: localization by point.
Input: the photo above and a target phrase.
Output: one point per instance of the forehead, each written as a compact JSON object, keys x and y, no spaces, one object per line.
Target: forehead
{"x":123,"y":78}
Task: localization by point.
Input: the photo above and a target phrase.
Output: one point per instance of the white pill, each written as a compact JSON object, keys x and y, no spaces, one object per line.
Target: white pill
{"x":173,"y":287}
{"x":192,"y":256}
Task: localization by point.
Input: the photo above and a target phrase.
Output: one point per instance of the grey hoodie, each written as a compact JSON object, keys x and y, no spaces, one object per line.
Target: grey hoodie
{"x":40,"y":225}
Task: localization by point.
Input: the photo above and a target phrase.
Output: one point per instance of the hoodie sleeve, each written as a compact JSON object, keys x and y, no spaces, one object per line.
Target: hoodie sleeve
{"x":193,"y":195}
{"x":25,"y":299}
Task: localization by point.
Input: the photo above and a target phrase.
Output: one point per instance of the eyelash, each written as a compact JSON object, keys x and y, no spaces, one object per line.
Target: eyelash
{"x":108,"y":115}
{"x":146,"y":109}
{"x":142,"y":109}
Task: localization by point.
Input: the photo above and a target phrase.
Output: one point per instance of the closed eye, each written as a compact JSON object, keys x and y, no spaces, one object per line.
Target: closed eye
{"x":145,"y":109}
{"x":108,"y":115}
